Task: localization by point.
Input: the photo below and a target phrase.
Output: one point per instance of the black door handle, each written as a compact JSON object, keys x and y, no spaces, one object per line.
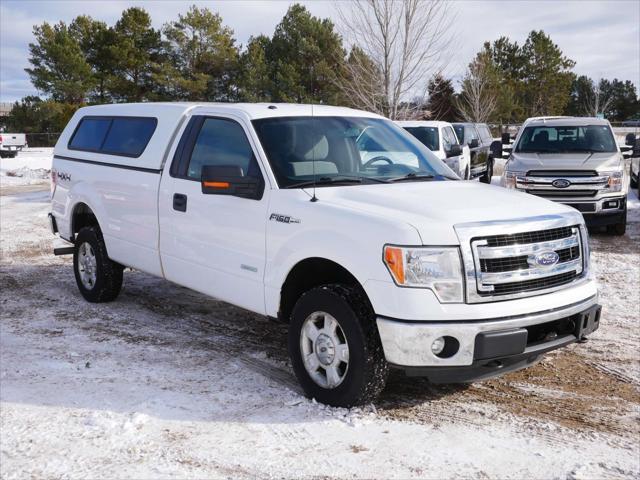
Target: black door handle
{"x":179,"y":202}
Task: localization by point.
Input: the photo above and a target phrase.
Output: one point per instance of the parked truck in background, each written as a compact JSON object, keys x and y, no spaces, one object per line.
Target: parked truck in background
{"x":335,"y":221}
{"x":441,"y":139}
{"x":483,"y":148}
{"x":11,"y":144}
{"x":575,"y":161}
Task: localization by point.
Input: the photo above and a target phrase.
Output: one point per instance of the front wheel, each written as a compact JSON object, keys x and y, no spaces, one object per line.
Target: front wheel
{"x":99,"y":278}
{"x":619,"y":228}
{"x":335,"y":348}
{"x":486,"y":178}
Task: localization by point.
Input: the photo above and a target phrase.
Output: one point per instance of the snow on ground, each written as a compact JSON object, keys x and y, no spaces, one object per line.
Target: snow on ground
{"x":165,"y":382}
{"x":30,"y":166}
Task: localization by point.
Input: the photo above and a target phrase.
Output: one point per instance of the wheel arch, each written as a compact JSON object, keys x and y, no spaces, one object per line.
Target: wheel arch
{"x":82,"y":216}
{"x":309,"y":273}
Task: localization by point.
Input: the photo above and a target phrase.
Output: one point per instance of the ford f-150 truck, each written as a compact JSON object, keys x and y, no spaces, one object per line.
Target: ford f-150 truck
{"x":573,"y":160}
{"x":441,"y":139}
{"x":333,"y":220}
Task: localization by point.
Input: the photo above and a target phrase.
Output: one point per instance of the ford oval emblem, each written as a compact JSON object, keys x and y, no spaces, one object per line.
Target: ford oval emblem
{"x":546,"y":259}
{"x":561,"y":183}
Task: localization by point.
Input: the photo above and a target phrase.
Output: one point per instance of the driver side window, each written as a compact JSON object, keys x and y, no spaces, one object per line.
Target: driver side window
{"x":222,"y":142}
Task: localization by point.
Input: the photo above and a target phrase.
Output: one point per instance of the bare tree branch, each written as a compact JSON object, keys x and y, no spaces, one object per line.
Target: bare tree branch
{"x":478,"y":99}
{"x":597,"y":99}
{"x":401,"y":44}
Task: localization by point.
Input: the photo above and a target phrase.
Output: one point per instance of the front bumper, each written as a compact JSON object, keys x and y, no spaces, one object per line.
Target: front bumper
{"x":512,"y":340}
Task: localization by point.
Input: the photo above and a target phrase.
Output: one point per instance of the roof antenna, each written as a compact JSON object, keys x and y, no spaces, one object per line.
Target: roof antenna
{"x":313,"y":161}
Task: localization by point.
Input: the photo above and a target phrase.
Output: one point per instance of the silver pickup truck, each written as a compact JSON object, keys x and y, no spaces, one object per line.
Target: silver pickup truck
{"x":575,"y":161}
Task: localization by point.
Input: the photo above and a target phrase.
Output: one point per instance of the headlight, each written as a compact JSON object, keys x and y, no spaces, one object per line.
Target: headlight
{"x":615,"y":180}
{"x":509,"y":178}
{"x":436,"y":268}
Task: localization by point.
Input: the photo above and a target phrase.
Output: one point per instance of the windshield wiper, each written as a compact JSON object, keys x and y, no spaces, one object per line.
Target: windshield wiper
{"x":412,"y":176}
{"x":336,"y":180}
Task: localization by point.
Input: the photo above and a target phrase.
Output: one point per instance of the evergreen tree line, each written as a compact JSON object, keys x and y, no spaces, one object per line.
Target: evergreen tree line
{"x":197,"y":58}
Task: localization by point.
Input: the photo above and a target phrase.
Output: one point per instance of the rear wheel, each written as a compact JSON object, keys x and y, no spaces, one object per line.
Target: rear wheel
{"x":99,"y":278}
{"x":486,"y":178}
{"x":335,"y":348}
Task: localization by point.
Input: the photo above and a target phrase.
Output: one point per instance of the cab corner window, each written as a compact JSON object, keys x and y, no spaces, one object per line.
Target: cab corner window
{"x":222,"y":143}
{"x":90,"y":134}
{"x":124,"y":136}
{"x":129,"y":136}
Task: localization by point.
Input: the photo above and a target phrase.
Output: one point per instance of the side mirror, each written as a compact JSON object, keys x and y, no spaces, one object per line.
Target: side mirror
{"x":506,"y":138}
{"x":630,"y":139}
{"x":230,"y":180}
{"x":454,"y":151}
{"x":496,"y":149}
{"x":473,"y":143}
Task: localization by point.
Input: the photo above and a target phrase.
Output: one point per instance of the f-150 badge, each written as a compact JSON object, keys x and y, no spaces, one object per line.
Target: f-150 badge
{"x":284,"y":218}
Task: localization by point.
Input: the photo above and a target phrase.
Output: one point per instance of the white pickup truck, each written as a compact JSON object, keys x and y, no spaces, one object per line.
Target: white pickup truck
{"x":333,"y":220}
{"x":441,"y":139}
{"x":11,"y":144}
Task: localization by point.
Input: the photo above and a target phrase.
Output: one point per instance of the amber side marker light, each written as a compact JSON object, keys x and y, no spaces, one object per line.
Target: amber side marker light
{"x":216,"y":184}
{"x":393,"y":259}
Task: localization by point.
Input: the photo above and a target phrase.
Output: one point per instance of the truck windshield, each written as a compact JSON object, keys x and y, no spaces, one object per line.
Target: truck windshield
{"x":344,"y":150}
{"x":428,"y":136}
{"x":459,"y":133}
{"x":566,"y":139}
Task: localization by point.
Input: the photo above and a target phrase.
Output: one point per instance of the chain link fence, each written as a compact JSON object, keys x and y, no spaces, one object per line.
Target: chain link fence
{"x":35,"y":140}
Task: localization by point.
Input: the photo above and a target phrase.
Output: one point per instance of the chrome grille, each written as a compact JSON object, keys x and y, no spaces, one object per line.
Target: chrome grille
{"x":533,"y":285}
{"x":528,"y":237}
{"x":519,"y":263}
{"x":580,"y":183}
{"x":508,"y":265}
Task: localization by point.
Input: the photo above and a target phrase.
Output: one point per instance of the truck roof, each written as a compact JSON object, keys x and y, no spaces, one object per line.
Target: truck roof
{"x":423,"y":123}
{"x":251,"y":110}
{"x":565,"y":121}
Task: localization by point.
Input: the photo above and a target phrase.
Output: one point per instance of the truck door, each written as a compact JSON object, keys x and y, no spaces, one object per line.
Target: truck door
{"x":478,"y":159}
{"x":210,"y":242}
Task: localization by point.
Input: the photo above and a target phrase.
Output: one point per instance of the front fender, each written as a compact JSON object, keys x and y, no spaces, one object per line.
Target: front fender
{"x":352,"y":239}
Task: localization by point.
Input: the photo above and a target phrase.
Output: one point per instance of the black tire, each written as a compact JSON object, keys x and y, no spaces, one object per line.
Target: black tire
{"x":486,"y":177}
{"x":367,"y":370}
{"x":108,"y":274}
{"x":632,"y":183}
{"x":620,"y":228}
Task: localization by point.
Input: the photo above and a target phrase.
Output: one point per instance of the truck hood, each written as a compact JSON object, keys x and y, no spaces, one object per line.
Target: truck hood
{"x":433,"y":208}
{"x":523,"y":162}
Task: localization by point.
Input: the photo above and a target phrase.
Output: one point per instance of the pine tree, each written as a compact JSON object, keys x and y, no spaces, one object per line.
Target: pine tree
{"x":59,"y":67}
{"x":547,"y":75}
{"x":203,"y":56}
{"x":305,"y":55}
{"x":96,"y":41}
{"x":137,"y":52}
{"x":441,"y":99}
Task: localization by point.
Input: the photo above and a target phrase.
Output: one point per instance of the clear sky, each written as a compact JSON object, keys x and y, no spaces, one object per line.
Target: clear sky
{"x":603,"y":37}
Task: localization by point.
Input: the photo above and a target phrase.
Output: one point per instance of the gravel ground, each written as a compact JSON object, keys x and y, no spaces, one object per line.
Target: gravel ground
{"x":165,"y":382}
